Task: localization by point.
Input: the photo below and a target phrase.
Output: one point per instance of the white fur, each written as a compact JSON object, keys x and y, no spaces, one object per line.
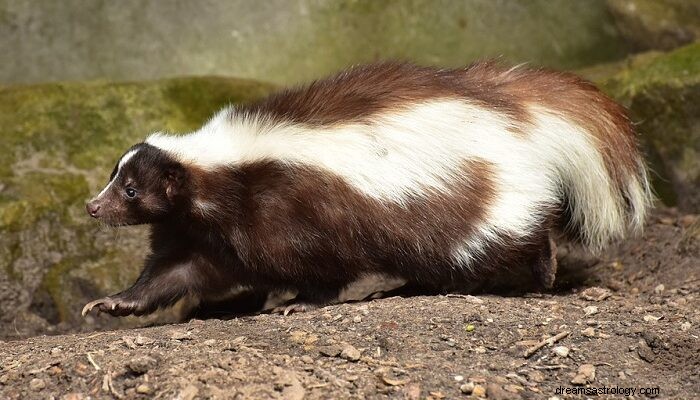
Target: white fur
{"x":420,"y":149}
{"x":573,"y":161}
{"x":125,"y":158}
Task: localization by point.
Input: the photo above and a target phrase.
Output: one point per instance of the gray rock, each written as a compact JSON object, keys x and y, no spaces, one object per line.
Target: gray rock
{"x":290,"y":40}
{"x":37,"y":384}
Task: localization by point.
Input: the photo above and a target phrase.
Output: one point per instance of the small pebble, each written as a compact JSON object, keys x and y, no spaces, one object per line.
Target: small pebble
{"x":143,"y":389}
{"x":350,"y":353}
{"x":535,"y":375}
{"x":596,"y":294}
{"x":181,"y":335}
{"x":685,"y":326}
{"x":588,"y":332}
{"x":307,"y":359}
{"x":479,"y":391}
{"x":646,"y":353}
{"x":142,"y":340}
{"x":459,"y":378}
{"x":659,"y":288}
{"x":330,"y":351}
{"x":37,"y":384}
{"x":467,"y":388}
{"x":666,"y":220}
{"x":590,"y":310}
{"x":561,"y":351}
{"x":586,"y":374}
{"x":651,"y":318}
{"x":357,"y":319}
{"x":141,"y":365}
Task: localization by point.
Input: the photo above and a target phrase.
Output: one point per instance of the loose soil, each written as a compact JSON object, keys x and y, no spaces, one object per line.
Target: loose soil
{"x":628,"y":319}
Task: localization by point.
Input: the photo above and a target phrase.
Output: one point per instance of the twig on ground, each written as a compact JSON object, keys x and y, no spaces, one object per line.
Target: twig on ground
{"x":94,"y":335}
{"x":318,"y":385}
{"x":557,"y":366}
{"x":549,"y":341}
{"x":94,"y":364}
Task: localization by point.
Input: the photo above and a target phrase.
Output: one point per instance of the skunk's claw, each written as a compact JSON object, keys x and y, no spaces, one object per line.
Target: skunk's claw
{"x":114,"y":306}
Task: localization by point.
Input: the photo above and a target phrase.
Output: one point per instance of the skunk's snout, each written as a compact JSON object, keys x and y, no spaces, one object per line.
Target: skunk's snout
{"x":93,"y":208}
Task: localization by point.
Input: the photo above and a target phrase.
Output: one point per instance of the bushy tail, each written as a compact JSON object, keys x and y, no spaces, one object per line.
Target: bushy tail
{"x":601,"y":174}
{"x":603,"y":208}
{"x":588,"y":145}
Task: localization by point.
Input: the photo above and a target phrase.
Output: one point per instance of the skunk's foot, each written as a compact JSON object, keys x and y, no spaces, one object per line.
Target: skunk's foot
{"x":291,"y":308}
{"x":545,"y":267}
{"x":114,"y":306}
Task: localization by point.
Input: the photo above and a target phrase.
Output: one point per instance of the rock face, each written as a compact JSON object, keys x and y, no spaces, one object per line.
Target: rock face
{"x":656,"y":24}
{"x":59,"y":142}
{"x":662,"y":92}
{"x":289,"y":41}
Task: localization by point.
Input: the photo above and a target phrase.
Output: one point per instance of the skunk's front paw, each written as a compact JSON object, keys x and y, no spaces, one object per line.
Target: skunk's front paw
{"x":114,"y":306}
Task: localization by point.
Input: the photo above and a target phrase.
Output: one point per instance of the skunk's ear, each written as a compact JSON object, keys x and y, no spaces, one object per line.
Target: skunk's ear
{"x":174,"y":180}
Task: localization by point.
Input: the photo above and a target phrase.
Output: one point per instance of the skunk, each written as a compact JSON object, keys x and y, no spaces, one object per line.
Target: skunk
{"x":436,"y":176}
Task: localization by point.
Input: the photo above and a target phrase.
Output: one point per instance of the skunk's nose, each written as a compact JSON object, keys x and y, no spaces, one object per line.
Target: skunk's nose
{"x":93,"y":208}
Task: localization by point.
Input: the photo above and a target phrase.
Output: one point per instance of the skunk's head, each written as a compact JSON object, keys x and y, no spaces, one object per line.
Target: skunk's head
{"x":146,"y":186}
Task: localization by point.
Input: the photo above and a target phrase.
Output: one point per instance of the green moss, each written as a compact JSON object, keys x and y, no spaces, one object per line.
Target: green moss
{"x":679,"y":67}
{"x":54,"y":284}
{"x":12,"y":213}
{"x":195,"y":98}
{"x":106,"y":275}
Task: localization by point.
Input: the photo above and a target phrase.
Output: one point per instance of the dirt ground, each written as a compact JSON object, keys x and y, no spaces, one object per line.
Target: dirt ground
{"x":629,"y":319}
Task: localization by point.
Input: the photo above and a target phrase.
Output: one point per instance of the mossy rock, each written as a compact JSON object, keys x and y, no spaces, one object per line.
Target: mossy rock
{"x":60,"y":142}
{"x":662,"y":92}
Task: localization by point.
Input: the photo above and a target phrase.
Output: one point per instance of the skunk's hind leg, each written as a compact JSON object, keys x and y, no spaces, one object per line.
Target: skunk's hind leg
{"x":544,"y":268}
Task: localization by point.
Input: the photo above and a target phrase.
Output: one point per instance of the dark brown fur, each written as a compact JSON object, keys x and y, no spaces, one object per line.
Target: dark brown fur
{"x":363,"y":91}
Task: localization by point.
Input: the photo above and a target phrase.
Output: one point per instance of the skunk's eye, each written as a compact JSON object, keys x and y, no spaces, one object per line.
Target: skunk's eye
{"x":130,"y":192}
